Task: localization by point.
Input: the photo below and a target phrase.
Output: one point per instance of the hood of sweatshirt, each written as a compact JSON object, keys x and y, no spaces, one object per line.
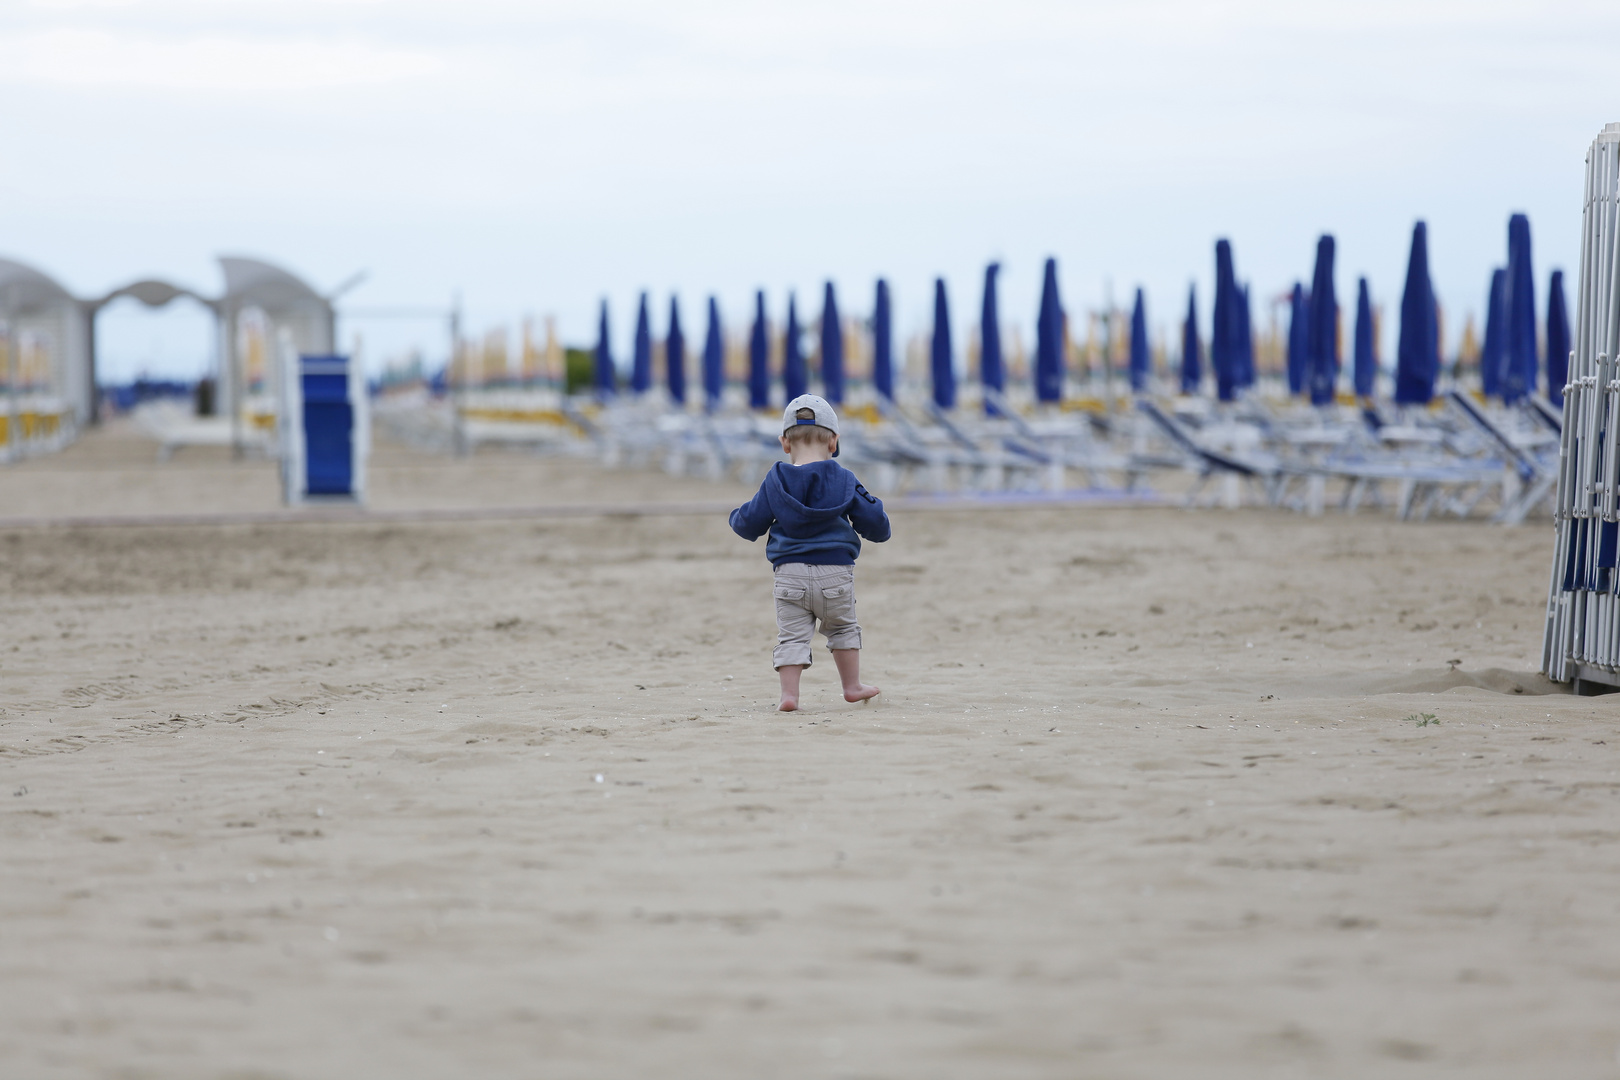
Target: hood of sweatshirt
{"x":809,"y":494}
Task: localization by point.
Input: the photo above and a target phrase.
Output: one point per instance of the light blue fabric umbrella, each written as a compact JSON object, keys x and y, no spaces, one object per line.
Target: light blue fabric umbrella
{"x":1365,"y":375}
{"x":759,"y":357}
{"x":1557,"y":340}
{"x":1192,"y":349}
{"x":1417,"y":352}
{"x":675,"y":354}
{"x":606,"y":378}
{"x":714,"y":357}
{"x":1299,"y":340}
{"x":795,"y":379}
{"x":1493,"y":353}
{"x":992,"y":373}
{"x":882,"y":343}
{"x":940,"y":350}
{"x":1049,"y":339}
{"x":1141,"y":356}
{"x":641,"y":376}
{"x":1519,"y":373}
{"x":832,"y":349}
{"x":1323,"y":346}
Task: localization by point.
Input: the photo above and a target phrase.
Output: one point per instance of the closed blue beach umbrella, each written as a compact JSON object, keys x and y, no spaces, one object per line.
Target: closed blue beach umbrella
{"x":1417,"y":351}
{"x":832,"y":349}
{"x":1141,"y":357}
{"x":675,"y":354}
{"x":939,"y":351}
{"x":1493,"y":353}
{"x":1244,"y":370}
{"x":1557,"y":340}
{"x":759,"y":357}
{"x":1192,"y":360}
{"x":714,"y":356}
{"x":1223,"y":338}
{"x":1299,"y":340}
{"x":605,"y":378}
{"x":641,"y":377}
{"x":1365,"y":374}
{"x":882,"y":342}
{"x":992,"y":366}
{"x":1519,"y":374}
{"x":795,"y":379}
{"x":1324,"y":327}
{"x":1048,"y":339}
{"x":992,"y":372}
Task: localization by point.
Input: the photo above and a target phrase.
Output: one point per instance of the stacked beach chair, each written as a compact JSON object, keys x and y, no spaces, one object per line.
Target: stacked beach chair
{"x":1582,"y":641}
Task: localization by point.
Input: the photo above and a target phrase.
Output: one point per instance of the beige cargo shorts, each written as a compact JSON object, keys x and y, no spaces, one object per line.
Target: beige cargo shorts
{"x":806,"y":595}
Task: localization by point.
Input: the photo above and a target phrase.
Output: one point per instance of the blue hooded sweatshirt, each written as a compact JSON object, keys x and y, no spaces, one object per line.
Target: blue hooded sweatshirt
{"x":813,"y":512}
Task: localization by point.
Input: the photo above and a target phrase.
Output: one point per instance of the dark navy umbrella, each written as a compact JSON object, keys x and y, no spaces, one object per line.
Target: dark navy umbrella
{"x":1519,"y":374}
{"x":832,"y":349}
{"x":795,"y":379}
{"x":675,"y":354}
{"x":1324,"y":327}
{"x":1299,"y":340}
{"x":1192,"y":361}
{"x":1557,"y":340}
{"x":1493,"y":354}
{"x":1049,"y":339}
{"x":1223,"y":338}
{"x":939,"y":351}
{"x":759,"y":357}
{"x":1417,"y":353}
{"x":992,"y":373}
{"x":882,"y":343}
{"x":641,"y":377}
{"x":605,"y":377}
{"x":1366,"y":358}
{"x":1141,"y":358}
{"x":714,"y":356}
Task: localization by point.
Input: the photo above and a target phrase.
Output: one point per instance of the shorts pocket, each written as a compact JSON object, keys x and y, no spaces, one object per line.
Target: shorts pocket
{"x":789,"y":592}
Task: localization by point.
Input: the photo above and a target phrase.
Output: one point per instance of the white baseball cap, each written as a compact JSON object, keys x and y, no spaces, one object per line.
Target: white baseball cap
{"x":825,"y":417}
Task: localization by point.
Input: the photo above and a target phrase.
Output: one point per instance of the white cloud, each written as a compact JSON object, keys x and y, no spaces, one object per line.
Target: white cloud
{"x":221,"y":62}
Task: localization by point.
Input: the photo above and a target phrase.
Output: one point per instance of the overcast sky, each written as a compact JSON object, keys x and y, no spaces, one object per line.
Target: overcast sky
{"x":540,"y":156}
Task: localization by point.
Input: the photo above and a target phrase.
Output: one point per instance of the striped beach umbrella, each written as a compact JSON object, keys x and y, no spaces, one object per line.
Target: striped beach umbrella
{"x":1523,"y":363}
{"x":759,"y":357}
{"x":1557,"y":340}
{"x":1417,"y":352}
{"x":939,"y":350}
{"x":1365,"y":373}
{"x":641,"y":377}
{"x":1192,"y":349}
{"x":606,"y":380}
{"x":714,"y":355}
{"x":795,"y":378}
{"x":675,"y":355}
{"x":1141,"y":357}
{"x":1323,"y":346}
{"x":1049,"y":339}
{"x":882,"y":342}
{"x":832,"y":349}
{"x":992,"y":372}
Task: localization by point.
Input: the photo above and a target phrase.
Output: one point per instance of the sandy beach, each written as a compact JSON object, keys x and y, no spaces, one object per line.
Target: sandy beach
{"x":1148,"y":792}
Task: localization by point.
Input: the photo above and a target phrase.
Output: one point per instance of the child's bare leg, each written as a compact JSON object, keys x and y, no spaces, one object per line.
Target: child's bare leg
{"x":849,"y":672}
{"x":789,"y":674}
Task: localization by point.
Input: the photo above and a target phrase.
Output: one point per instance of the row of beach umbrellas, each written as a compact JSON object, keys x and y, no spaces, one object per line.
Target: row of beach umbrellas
{"x":1509,"y":358}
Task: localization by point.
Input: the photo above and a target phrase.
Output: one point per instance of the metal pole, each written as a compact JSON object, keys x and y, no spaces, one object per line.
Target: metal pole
{"x":457,"y":426}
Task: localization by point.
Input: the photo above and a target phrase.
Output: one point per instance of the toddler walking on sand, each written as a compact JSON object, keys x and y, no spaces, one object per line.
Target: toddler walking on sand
{"x":816,"y":513}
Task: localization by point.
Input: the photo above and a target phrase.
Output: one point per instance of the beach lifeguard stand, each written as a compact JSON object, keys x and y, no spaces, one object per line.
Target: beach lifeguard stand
{"x":325,"y":430}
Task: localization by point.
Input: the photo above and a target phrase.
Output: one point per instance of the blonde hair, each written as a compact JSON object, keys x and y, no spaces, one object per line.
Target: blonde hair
{"x":803,"y":433}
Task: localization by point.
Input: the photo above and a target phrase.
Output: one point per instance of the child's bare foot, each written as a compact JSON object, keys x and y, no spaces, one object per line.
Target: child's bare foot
{"x":790,"y":686}
{"x":861,"y":692}
{"x":789,"y":704}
